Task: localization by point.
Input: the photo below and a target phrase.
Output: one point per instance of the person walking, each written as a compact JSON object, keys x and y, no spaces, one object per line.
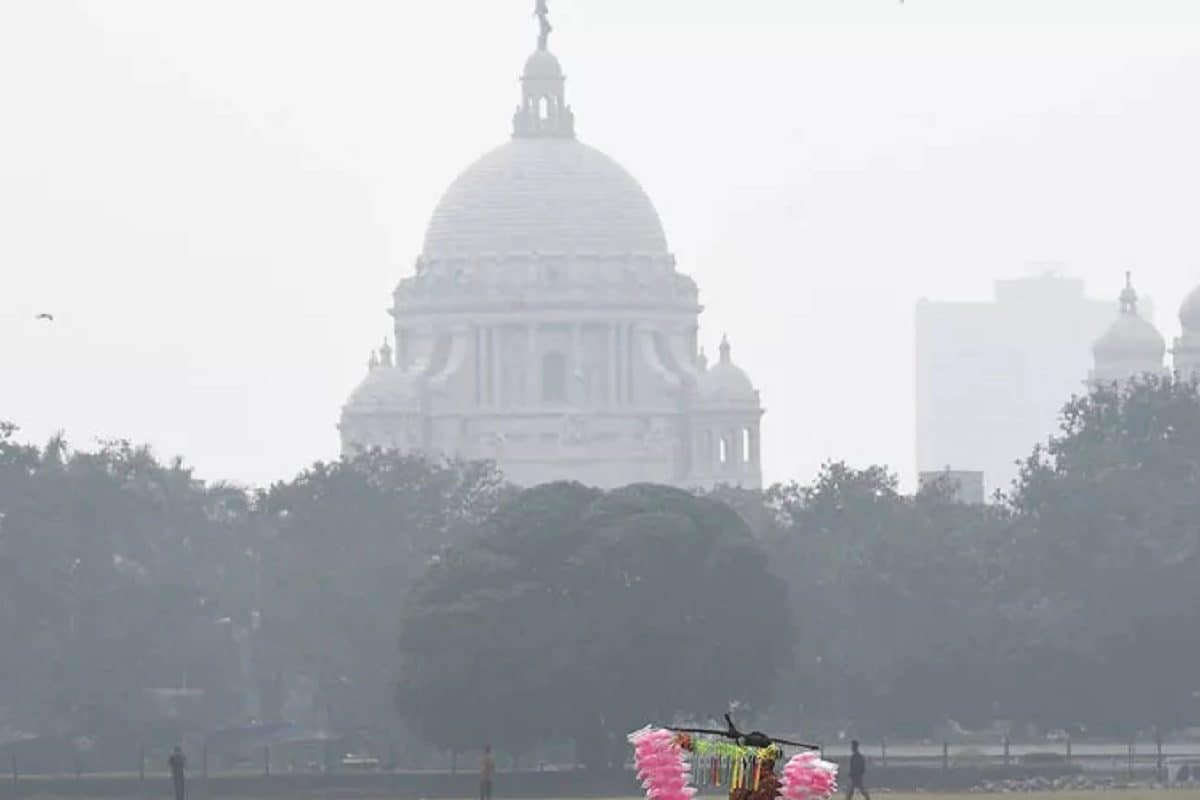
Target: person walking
{"x":487,"y":770}
{"x":177,"y":762}
{"x":858,"y":771}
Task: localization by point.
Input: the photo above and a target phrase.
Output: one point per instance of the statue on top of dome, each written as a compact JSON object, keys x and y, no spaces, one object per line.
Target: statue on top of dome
{"x":1129,"y":297}
{"x":542,"y":12}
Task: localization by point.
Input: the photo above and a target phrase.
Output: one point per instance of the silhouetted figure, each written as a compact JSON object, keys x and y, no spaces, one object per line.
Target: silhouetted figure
{"x":487,"y":770}
{"x":177,"y":762}
{"x":858,"y":771}
{"x":542,"y":12}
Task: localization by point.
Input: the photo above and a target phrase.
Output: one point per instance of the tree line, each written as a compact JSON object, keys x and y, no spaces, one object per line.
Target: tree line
{"x":385,"y":595}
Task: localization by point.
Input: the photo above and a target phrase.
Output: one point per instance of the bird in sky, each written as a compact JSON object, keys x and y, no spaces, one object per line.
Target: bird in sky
{"x":45,"y":316}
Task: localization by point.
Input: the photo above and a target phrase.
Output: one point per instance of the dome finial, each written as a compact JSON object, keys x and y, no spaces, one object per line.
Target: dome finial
{"x":385,"y":353}
{"x":1129,"y":297}
{"x":542,"y":11}
{"x":725,"y":359}
{"x":543,"y":112}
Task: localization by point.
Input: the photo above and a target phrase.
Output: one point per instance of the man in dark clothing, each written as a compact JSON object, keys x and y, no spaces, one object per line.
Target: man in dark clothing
{"x":487,"y":770}
{"x":177,"y":762}
{"x":858,"y":769}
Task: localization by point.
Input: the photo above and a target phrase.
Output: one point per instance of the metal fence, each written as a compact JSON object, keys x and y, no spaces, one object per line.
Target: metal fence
{"x":1131,"y":758}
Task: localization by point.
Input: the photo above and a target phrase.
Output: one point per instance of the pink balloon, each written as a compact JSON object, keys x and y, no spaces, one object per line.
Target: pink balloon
{"x":662,"y":765}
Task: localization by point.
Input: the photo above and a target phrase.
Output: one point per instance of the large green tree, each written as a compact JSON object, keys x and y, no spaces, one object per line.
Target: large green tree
{"x":581,"y":615}
{"x":897,"y":592}
{"x":1105,"y":572}
{"x":115,"y":571}
{"x":343,"y":543}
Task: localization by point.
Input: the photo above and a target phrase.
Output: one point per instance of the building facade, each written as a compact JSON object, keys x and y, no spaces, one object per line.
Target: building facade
{"x":1186,"y":351}
{"x":548,"y":328}
{"x":991,"y":377}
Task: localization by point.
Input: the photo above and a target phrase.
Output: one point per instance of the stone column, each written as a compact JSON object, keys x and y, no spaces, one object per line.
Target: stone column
{"x":631,"y":356}
{"x":576,"y":390}
{"x":532,"y":368}
{"x":614,"y":365}
{"x":494,"y":333}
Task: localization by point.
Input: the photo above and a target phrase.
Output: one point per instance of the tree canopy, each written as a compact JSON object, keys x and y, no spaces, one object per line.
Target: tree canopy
{"x":1105,"y":574}
{"x":340,"y":546}
{"x":399,"y":591}
{"x":581,"y":615}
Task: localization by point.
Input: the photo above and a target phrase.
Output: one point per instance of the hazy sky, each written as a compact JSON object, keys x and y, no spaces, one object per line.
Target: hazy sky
{"x":216,"y":198}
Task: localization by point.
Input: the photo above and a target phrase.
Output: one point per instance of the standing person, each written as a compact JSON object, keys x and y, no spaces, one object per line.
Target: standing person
{"x":177,"y":762}
{"x":858,"y":770}
{"x":487,"y":769}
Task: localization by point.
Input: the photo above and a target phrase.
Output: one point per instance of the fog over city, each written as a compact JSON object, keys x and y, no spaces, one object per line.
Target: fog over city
{"x":563,"y":399}
{"x":215,"y":200}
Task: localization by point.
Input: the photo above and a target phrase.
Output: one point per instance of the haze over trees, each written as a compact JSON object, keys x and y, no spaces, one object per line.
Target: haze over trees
{"x":435,"y":598}
{"x":579,"y":615}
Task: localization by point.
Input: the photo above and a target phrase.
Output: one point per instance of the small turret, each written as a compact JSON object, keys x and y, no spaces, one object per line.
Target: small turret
{"x":1186,"y":351}
{"x":1131,"y":346}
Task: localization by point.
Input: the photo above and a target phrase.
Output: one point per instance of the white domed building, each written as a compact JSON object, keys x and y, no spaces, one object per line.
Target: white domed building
{"x":1187,"y":347}
{"x":1131,"y":347}
{"x":547,"y":328}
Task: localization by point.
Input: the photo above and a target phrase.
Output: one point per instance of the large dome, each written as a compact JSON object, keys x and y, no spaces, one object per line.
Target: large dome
{"x":1130,"y":337}
{"x":547,"y":195}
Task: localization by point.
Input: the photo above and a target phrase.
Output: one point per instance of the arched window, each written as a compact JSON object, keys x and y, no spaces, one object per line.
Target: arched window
{"x":554,"y":378}
{"x":747,"y":445}
{"x":723,"y":448}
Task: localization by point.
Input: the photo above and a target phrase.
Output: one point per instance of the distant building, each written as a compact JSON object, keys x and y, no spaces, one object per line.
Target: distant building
{"x":547,"y":327}
{"x":1187,"y":347}
{"x":967,"y":486}
{"x":992,"y":376}
{"x":1131,"y":347}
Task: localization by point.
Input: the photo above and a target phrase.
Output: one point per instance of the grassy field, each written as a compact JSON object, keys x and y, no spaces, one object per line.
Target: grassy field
{"x":1131,"y":794}
{"x":1116,"y":794}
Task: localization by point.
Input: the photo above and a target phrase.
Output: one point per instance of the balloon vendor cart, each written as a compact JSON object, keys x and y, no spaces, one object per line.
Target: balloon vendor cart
{"x":676,"y":763}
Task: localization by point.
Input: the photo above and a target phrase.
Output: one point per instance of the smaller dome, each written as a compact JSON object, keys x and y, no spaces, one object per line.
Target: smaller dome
{"x":1189,"y":312}
{"x":543,"y":65}
{"x":387,"y":387}
{"x":1130,"y":337}
{"x":726,"y":383}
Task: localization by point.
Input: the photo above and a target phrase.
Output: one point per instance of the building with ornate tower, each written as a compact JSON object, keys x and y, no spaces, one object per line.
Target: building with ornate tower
{"x":1186,"y":351}
{"x":547,"y":327}
{"x":1131,"y":347}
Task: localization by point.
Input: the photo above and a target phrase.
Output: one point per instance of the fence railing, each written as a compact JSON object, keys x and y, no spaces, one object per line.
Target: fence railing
{"x":1132,"y":758}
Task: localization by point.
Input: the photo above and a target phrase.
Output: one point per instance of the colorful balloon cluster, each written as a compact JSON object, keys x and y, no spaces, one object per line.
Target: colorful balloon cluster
{"x":808,"y":777}
{"x":662,"y":764}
